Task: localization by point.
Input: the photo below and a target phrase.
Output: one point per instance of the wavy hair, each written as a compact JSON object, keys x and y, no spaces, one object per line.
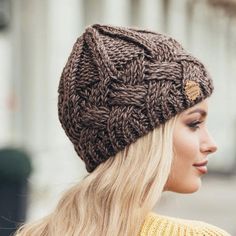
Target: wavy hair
{"x":117,"y":196}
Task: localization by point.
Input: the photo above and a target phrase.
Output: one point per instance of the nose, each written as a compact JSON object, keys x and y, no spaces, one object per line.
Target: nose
{"x":208,"y":146}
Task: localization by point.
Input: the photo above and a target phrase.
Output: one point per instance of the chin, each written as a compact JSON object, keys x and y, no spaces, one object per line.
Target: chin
{"x":191,"y":187}
{"x":187,"y":187}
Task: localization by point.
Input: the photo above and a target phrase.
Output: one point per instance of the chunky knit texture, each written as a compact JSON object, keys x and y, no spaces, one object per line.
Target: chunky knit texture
{"x":120,"y":83}
{"x":157,"y":225}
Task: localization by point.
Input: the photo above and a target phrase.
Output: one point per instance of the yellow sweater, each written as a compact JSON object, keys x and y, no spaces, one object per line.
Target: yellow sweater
{"x":158,"y":225}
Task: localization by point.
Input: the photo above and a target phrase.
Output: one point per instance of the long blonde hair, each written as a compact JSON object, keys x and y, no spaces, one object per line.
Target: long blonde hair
{"x":117,"y":196}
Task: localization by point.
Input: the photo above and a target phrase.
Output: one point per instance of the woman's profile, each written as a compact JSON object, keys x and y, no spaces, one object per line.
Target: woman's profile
{"x":134,"y":103}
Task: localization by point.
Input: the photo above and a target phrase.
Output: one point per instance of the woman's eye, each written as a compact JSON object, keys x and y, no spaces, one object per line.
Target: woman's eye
{"x":195,"y":125}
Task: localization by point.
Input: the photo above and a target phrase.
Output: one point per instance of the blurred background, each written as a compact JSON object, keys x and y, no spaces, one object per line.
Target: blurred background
{"x":36,"y":37}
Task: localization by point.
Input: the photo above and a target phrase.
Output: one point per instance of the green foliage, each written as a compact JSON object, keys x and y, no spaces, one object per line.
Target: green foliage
{"x":15,"y":164}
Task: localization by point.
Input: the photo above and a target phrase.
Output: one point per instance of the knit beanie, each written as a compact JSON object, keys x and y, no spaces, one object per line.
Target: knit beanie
{"x":119,"y":83}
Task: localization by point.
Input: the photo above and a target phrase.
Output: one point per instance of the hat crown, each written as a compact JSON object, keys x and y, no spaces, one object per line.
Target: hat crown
{"x":120,"y":83}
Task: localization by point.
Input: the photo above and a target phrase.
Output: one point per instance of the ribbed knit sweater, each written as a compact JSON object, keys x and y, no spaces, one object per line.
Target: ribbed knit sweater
{"x":158,"y":225}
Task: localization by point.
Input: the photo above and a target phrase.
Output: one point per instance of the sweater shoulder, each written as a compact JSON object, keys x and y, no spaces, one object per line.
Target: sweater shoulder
{"x":157,"y":225}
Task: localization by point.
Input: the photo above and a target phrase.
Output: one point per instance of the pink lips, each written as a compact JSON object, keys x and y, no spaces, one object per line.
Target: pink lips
{"x":201,"y":166}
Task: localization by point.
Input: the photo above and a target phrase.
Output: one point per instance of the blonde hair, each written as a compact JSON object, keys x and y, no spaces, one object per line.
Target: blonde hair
{"x":117,"y":196}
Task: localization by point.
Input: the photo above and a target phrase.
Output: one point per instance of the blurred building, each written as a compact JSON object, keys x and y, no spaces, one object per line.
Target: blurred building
{"x":36,"y":37}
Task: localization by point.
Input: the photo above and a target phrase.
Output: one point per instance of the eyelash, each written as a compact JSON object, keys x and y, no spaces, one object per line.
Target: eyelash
{"x":195,"y":125}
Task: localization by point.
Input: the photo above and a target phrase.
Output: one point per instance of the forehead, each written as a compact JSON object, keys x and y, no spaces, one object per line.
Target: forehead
{"x":201,"y":108}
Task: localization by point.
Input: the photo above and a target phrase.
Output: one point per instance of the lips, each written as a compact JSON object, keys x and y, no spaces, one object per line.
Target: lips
{"x":201,"y":166}
{"x":203,"y":163}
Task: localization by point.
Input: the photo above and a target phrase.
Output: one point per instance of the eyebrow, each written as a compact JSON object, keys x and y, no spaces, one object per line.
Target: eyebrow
{"x":198,"y":110}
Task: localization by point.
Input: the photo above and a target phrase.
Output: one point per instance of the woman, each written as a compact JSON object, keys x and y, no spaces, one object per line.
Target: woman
{"x":134,"y":104}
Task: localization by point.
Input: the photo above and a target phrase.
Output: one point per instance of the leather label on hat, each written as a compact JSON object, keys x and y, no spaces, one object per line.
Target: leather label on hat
{"x":192,"y":89}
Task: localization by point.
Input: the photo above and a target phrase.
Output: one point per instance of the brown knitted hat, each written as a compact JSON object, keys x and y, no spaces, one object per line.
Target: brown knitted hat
{"x":120,"y":83}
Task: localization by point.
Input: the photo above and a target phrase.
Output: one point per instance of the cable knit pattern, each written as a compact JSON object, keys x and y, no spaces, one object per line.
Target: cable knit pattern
{"x":120,"y":83}
{"x":158,"y":225}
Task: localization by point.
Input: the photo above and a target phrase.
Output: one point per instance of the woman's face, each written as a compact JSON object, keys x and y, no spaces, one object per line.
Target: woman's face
{"x":192,"y":144}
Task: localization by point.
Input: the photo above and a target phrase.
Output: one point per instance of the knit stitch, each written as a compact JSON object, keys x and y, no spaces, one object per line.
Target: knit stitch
{"x":158,"y":225}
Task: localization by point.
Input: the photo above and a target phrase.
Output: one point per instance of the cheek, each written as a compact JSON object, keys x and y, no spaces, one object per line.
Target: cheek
{"x":186,"y":148}
{"x":182,"y":178}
